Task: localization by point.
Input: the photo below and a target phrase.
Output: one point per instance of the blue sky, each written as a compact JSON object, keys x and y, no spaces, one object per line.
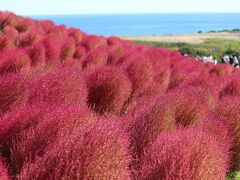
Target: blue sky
{"x":41,"y":7}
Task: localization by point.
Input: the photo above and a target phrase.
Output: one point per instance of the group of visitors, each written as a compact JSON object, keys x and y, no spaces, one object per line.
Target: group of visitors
{"x":233,"y":60}
{"x":226,"y":59}
{"x":207,"y":59}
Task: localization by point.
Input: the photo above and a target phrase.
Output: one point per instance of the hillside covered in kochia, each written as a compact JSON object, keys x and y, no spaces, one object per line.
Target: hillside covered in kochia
{"x":79,"y":106}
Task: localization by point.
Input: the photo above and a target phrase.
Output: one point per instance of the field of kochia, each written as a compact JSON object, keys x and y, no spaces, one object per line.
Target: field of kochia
{"x":79,"y":106}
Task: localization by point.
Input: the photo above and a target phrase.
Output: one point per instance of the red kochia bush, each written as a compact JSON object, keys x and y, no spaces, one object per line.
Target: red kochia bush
{"x":150,"y":119}
{"x":93,"y":41}
{"x":29,"y":38}
{"x":160,"y":83}
{"x":46,"y":25}
{"x":54,"y":125}
{"x":98,"y":151}
{"x":184,"y":154}
{"x":141,"y":75}
{"x":68,"y":49}
{"x":60,"y":31}
{"x":177,"y":78}
{"x":9,"y":19}
{"x":228,"y":110}
{"x":13,"y":92}
{"x":15,"y":123}
{"x":37,"y":54}
{"x":61,"y":86}
{"x":10,"y":32}
{"x":109,"y":88}
{"x":207,"y":96}
{"x":76,"y":34}
{"x":53,"y":47}
{"x":19,"y":120}
{"x":6,"y":43}
{"x":232,"y":88}
{"x":79,"y":53}
{"x":116,"y":52}
{"x":96,"y":58}
{"x":14,"y":62}
{"x":188,"y":108}
{"x":24,"y":25}
{"x":220,"y":131}
{"x":221,"y":70}
{"x":3,"y":172}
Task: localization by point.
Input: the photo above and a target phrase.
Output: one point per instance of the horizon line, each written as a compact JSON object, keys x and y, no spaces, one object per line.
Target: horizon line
{"x":128,"y":13}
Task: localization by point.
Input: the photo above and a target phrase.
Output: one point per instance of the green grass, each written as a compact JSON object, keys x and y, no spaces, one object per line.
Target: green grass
{"x":214,"y":46}
{"x":234,"y":176}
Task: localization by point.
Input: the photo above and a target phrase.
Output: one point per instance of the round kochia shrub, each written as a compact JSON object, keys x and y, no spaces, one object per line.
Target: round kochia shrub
{"x":141,"y":75}
{"x":54,"y":125}
{"x":3,"y":172}
{"x":61,"y":86}
{"x":68,"y":49}
{"x":6,"y":43}
{"x":13,"y":92}
{"x":76,"y":34}
{"x":96,"y":58}
{"x":231,"y":89}
{"x":150,"y":119}
{"x":97,"y":151}
{"x":109,"y":88}
{"x":228,"y":111}
{"x":184,"y":154}
{"x":116,"y":52}
{"x":221,"y":70}
{"x":37,"y":54}
{"x":52,"y":46}
{"x":14,"y":61}
{"x":92,"y":41}
{"x":15,"y":123}
{"x":29,"y":38}
{"x":219,"y":130}
{"x":187,"y":107}
{"x":80,"y":53}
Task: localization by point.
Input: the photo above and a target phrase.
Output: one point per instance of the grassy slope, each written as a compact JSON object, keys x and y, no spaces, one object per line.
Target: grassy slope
{"x":216,"y":47}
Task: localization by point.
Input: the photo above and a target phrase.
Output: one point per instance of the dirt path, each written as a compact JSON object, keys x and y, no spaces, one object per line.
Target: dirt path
{"x":187,"y":38}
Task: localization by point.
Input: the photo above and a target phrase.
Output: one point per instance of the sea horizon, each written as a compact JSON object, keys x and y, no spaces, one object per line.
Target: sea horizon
{"x":134,"y":24}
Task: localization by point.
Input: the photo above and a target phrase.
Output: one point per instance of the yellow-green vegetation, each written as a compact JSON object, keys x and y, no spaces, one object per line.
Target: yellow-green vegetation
{"x":234,"y":176}
{"x":215,"y":46}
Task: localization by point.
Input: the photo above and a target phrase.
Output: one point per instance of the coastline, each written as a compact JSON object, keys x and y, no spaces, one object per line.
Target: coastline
{"x":194,"y":38}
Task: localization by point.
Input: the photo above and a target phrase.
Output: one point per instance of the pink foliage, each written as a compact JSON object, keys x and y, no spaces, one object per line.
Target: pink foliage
{"x":98,"y":151}
{"x":228,"y":110}
{"x":109,"y":88}
{"x":150,"y":119}
{"x":61,"y":86}
{"x":97,"y":57}
{"x":68,"y":49}
{"x":37,"y":54}
{"x":80,"y":53}
{"x":6,"y":43}
{"x":53,"y":47}
{"x":58,"y":85}
{"x":184,"y":154}
{"x":3,"y":172}
{"x":93,"y":41}
{"x":141,"y":75}
{"x":187,"y":107}
{"x":14,"y":62}
{"x":56,"y":124}
{"x":13,"y":92}
{"x":76,"y":34}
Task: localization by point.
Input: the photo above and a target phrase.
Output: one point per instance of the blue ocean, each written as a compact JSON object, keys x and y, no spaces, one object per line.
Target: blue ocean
{"x":147,"y":24}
